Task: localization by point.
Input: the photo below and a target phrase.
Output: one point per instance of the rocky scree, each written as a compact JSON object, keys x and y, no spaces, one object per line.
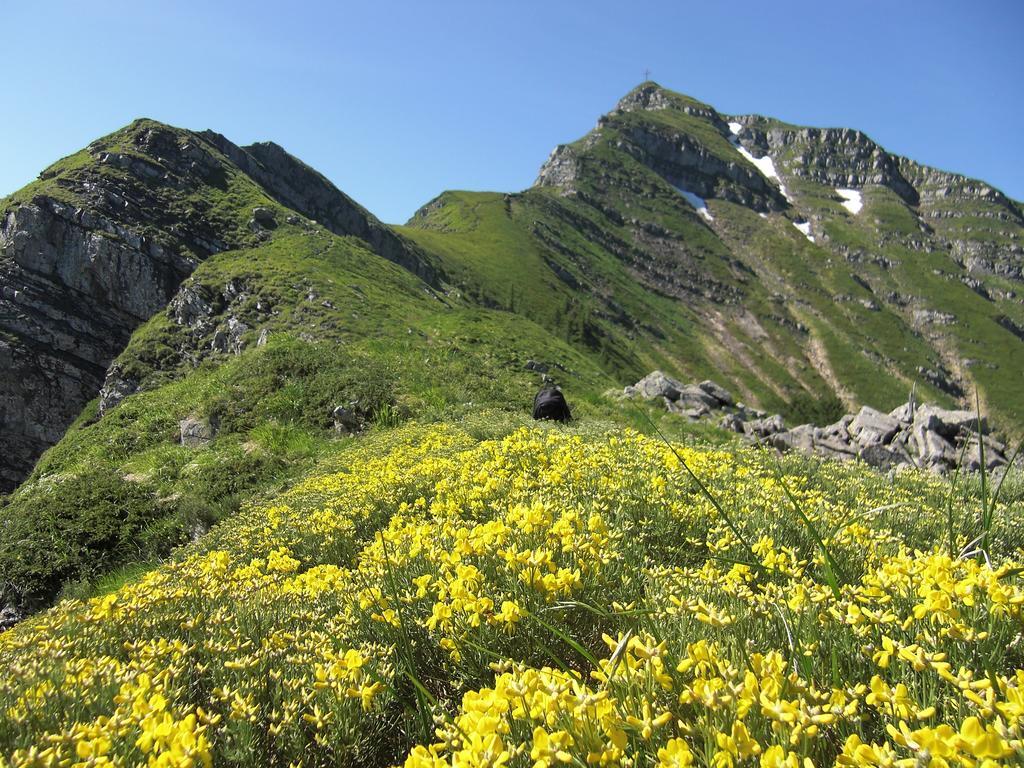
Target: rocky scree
{"x":911,"y":435}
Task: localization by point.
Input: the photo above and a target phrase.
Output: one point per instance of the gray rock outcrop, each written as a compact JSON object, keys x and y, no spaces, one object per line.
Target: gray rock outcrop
{"x":924,"y":436}
{"x":106,"y":243}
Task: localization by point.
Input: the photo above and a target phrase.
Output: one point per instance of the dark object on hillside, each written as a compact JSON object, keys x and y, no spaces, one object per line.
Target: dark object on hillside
{"x":550,"y":404}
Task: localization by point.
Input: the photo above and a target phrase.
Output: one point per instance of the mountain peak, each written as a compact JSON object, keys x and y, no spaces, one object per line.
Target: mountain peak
{"x":649,"y":95}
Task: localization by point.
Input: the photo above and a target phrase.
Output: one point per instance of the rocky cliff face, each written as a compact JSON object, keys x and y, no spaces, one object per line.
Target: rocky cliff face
{"x":103,"y":240}
{"x":297,"y":186}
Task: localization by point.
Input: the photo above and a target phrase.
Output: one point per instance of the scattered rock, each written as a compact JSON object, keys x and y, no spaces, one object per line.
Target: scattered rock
{"x":116,"y":387}
{"x":196,"y":432}
{"x":236,"y":330}
{"x":721,"y":394}
{"x":910,"y":435}
{"x":931,"y":448}
{"x":264,"y":217}
{"x":883,"y":457}
{"x":533,"y":365}
{"x":764,"y":427}
{"x":871,"y":427}
{"x":693,"y":397}
{"x":9,"y":616}
{"x":655,"y":385}
{"x":903,"y":413}
{"x":346,"y":420}
{"x":932,"y":317}
{"x":947,"y":423}
{"x":262,"y":340}
{"x":731,"y":423}
{"x":188,"y":308}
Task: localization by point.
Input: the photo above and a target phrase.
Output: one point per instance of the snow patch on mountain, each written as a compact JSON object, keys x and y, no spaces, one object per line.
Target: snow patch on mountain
{"x":698,"y":203}
{"x":764,"y":164}
{"x":805,"y":227}
{"x":852,"y":200}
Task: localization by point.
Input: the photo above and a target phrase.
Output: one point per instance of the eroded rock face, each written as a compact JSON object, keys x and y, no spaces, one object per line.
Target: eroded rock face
{"x":107,"y":243}
{"x":294,"y":184}
{"x":73,"y":287}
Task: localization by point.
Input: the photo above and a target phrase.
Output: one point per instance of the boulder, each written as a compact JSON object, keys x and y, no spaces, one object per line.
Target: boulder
{"x":947,"y":423}
{"x":116,"y":387}
{"x":903,"y":413}
{"x":932,"y":449}
{"x":781,"y":441}
{"x":994,"y":455}
{"x":9,"y":616}
{"x":764,"y":427}
{"x":834,"y":447}
{"x":655,"y":385}
{"x":264,"y":217}
{"x":802,"y":437}
{"x":721,"y":394}
{"x":747,"y":413}
{"x":838,"y":431}
{"x":693,"y":397}
{"x":883,"y":457}
{"x":731,"y":423}
{"x":196,"y":432}
{"x":189,"y":309}
{"x":346,"y":420}
{"x":536,"y":367}
{"x":871,"y":427}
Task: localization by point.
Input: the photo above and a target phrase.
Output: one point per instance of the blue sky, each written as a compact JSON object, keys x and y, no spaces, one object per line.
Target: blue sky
{"x":397,"y":101}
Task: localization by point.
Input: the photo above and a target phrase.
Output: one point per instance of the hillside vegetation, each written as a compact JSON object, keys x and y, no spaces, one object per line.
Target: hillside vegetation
{"x":484,"y":594}
{"x":275,"y":499}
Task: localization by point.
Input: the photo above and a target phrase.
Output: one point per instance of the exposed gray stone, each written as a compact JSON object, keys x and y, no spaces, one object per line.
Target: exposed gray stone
{"x":764,"y":427}
{"x":931,"y":448}
{"x":346,"y":420}
{"x":235,"y":334}
{"x":871,"y":427}
{"x":655,"y":385}
{"x":721,"y":394}
{"x":116,"y":387}
{"x":802,"y":437}
{"x":264,"y":217}
{"x":196,"y":432}
{"x":947,"y":423}
{"x":691,"y":396}
{"x":190,"y":309}
{"x":903,"y":413}
{"x":834,"y":447}
{"x":9,"y":616}
{"x":994,"y":454}
{"x":883,"y":457}
{"x":731,"y":422}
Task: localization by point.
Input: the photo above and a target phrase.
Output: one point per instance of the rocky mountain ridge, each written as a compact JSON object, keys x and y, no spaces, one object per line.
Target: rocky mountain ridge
{"x":103,"y":240}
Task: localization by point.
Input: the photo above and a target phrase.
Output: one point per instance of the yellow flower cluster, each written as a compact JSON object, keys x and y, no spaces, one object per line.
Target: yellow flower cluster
{"x":548,"y":598}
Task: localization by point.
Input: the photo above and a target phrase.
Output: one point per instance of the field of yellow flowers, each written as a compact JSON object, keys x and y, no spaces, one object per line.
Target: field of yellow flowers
{"x":551,"y":597}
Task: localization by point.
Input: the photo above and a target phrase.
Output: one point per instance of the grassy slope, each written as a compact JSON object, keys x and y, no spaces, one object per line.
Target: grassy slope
{"x":500,"y":248}
{"x":121,"y":489}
